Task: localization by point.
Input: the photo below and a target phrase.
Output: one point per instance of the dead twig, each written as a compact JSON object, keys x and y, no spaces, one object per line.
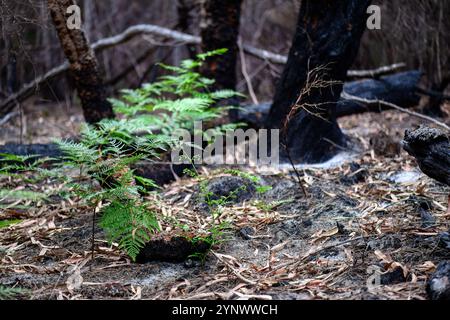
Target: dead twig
{"x":314,"y":80}
{"x":235,"y":272}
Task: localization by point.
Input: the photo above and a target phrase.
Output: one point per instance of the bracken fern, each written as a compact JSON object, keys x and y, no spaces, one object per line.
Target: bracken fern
{"x":148,"y":117}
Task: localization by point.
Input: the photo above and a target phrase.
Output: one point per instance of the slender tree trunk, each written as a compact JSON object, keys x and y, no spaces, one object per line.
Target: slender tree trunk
{"x":327,"y":36}
{"x":84,"y":67}
{"x":220,"y":29}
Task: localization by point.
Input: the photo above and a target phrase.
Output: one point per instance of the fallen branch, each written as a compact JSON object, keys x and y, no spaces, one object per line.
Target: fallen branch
{"x":376,"y":73}
{"x":8,"y":117}
{"x":394,"y":106}
{"x":102,"y":44}
{"x":27,"y":90}
{"x":265,"y":55}
{"x":233,"y":270}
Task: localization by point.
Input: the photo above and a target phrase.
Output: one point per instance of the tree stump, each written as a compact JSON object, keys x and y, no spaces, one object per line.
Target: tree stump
{"x":431,"y":148}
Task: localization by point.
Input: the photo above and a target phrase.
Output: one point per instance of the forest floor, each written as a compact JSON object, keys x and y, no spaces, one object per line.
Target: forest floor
{"x":369,"y":228}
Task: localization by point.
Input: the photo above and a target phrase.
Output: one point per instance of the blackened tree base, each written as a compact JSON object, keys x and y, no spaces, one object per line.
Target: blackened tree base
{"x":324,"y":47}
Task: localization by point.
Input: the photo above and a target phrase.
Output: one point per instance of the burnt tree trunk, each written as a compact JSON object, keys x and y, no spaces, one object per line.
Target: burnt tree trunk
{"x":328,"y":35}
{"x":220,"y":29}
{"x":84,"y":67}
{"x":185,"y":10}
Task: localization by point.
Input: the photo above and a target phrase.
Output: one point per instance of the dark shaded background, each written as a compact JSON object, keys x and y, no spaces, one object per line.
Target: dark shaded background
{"x":413,"y":31}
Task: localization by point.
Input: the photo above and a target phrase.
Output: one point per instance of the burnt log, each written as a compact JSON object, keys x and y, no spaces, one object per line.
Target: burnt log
{"x":431,"y":148}
{"x":50,"y":150}
{"x":399,"y":89}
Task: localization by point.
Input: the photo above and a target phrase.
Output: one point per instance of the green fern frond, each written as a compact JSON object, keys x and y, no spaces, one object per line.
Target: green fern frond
{"x":7,"y":293}
{"x":129,"y":225}
{"x":15,"y":158}
{"x":7,"y":223}
{"x":77,"y":152}
{"x":185,"y":105}
{"x":146,"y":183}
{"x":190,"y":64}
{"x":225,"y":94}
{"x":204,"y":56}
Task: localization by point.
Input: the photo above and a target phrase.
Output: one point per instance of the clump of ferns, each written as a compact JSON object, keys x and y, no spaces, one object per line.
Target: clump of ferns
{"x":149,"y":117}
{"x":106,"y":153}
{"x":177,"y":100}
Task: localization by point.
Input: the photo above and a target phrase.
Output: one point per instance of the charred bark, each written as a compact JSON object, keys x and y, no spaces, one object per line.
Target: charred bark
{"x":84,"y":67}
{"x":328,"y":35}
{"x":220,"y":29}
{"x":39,"y":150}
{"x":431,"y":148}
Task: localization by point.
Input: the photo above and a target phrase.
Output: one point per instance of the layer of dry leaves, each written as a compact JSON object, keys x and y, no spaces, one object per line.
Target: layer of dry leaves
{"x":326,"y":246}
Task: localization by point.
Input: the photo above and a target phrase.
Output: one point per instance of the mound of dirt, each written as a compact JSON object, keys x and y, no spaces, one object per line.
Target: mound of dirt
{"x":176,"y":249}
{"x":226,"y":189}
